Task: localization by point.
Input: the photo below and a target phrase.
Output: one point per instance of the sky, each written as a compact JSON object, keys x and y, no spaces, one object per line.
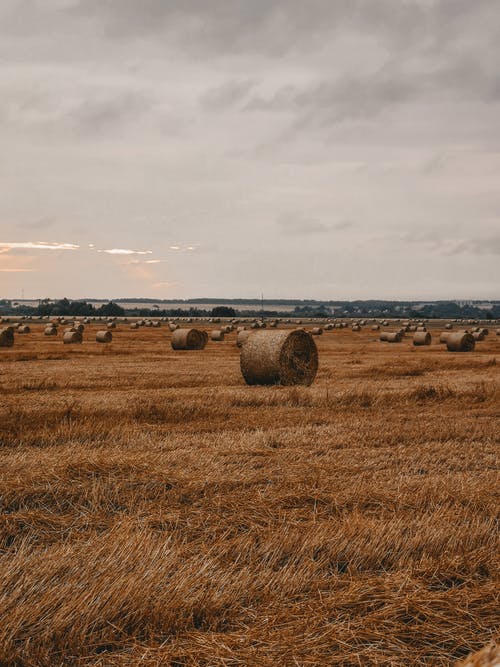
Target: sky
{"x":328,"y":149}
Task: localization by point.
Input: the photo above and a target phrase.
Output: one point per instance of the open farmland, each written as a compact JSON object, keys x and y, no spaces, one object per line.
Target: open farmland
{"x":155,"y":510}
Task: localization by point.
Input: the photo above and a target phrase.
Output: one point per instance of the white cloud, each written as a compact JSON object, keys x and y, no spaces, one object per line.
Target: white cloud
{"x":126,"y":251}
{"x":39,"y":245}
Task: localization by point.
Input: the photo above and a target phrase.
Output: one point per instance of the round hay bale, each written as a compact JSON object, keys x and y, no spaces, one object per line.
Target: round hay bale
{"x":50,"y":331}
{"x":422,"y":338}
{"x":111,"y":325}
{"x":227,"y":329}
{"x":376,"y":327}
{"x":421,"y":328}
{"x":279,"y":357}
{"x":489,"y":656}
{"x":104,"y":337}
{"x":355,"y":327}
{"x":317,"y":331}
{"x":72,"y":337}
{"x":78,"y":327}
{"x":134,"y":325}
{"x":444,"y":336}
{"x":242,"y":336}
{"x":188,"y":339}
{"x":156,"y":324}
{"x":205,"y":337}
{"x":391,"y":336}
{"x":485,"y":332}
{"x":172,"y":326}
{"x":217,"y":335}
{"x":23,"y":329}
{"x":478,"y":335}
{"x":6,"y":337}
{"x":148,"y":323}
{"x":460,"y":341}
{"x":498,"y":332}
{"x":449,"y":326}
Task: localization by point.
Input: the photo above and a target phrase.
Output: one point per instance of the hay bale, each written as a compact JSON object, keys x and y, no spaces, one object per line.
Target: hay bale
{"x":449,"y":326}
{"x":460,"y":341}
{"x":444,"y":336}
{"x":227,"y":329}
{"x":104,"y":337}
{"x":72,"y":337}
{"x":422,"y":338}
{"x":134,"y":325}
{"x":376,"y":327}
{"x":317,"y":331}
{"x":6,"y":337}
{"x":279,"y":357}
{"x":489,"y":656}
{"x":188,"y":339}
{"x":421,"y":328}
{"x":172,"y":326}
{"x":79,"y":327}
{"x":23,"y":329}
{"x":391,"y":336}
{"x":111,"y":325}
{"x":242,"y":336}
{"x":484,"y":331}
{"x":156,"y":324}
{"x":478,"y":335}
{"x":217,"y":335}
{"x":148,"y":323}
{"x":355,"y":327}
{"x":498,"y":332}
{"x":50,"y":331}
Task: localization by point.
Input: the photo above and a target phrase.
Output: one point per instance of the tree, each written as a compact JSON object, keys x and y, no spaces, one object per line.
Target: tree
{"x":223,"y":311}
{"x":111,"y":310}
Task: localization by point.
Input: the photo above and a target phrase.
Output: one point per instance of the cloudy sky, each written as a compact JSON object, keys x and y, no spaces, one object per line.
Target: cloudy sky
{"x":183,"y":148}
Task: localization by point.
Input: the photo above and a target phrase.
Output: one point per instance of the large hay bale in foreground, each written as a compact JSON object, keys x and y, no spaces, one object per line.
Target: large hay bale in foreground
{"x":188,"y":339}
{"x":7,"y":337}
{"x":72,"y":337}
{"x":279,"y":357}
{"x":460,"y":341}
{"x":217,"y":335}
{"x":489,"y":656}
{"x":422,"y":338}
{"x":103,"y":337}
{"x":242,"y":336}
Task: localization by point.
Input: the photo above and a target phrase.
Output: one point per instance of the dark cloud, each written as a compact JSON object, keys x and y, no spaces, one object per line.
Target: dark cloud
{"x":298,"y":225}
{"x":227,"y":95}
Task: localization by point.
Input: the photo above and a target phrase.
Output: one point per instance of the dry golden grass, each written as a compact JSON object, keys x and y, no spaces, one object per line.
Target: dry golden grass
{"x":157,"y":511}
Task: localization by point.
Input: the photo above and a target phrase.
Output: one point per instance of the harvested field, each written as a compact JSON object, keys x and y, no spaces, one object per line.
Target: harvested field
{"x":156,"y":510}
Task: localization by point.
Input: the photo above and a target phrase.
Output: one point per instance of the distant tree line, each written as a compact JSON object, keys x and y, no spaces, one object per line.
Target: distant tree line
{"x":378,"y":309}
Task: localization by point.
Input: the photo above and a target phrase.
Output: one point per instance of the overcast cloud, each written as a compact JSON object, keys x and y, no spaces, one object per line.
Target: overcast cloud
{"x":323,"y":149}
